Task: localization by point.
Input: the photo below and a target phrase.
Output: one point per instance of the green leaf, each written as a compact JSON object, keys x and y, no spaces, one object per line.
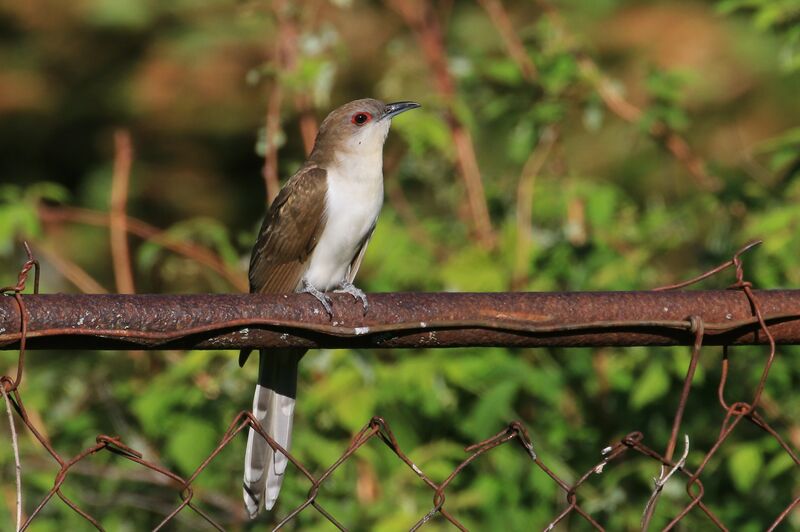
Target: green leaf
{"x":503,"y":70}
{"x":653,"y":384}
{"x":744,"y":465}
{"x":355,"y":408}
{"x":666,"y":85}
{"x":46,"y":191}
{"x":265,"y":143}
{"x":493,"y":409}
{"x":10,"y":193}
{"x":781,"y":463}
{"x":191,"y":443}
{"x":206,"y":231}
{"x":474,"y":269}
{"x":120,"y":14}
{"x":522,"y":140}
{"x":602,"y":204}
{"x":558,"y":72}
{"x":424,"y":131}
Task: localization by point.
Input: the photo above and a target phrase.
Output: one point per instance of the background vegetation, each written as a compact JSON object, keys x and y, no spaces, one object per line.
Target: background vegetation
{"x":604,"y":145}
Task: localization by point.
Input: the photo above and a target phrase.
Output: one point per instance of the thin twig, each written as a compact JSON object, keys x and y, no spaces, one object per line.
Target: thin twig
{"x":15,"y":446}
{"x":617,"y":104}
{"x":71,"y":271}
{"x":271,"y":130}
{"x":151,"y":233}
{"x":308,"y":122}
{"x":425,"y":25}
{"x":120,"y":252}
{"x":502,"y":22}
{"x":525,"y":191}
{"x":287,"y":61}
{"x":624,"y":109}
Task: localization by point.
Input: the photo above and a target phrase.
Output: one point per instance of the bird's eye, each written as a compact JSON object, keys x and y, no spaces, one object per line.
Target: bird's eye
{"x":360,"y":119}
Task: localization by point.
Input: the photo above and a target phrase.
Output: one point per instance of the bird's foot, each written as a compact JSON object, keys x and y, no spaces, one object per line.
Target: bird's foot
{"x":324,"y":300}
{"x":349,"y":288}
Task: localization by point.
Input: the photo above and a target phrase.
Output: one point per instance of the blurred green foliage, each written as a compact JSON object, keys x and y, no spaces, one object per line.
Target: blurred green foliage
{"x":612,"y":209}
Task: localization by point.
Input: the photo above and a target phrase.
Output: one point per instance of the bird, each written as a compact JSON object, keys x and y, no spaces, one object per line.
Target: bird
{"x":312,"y":240}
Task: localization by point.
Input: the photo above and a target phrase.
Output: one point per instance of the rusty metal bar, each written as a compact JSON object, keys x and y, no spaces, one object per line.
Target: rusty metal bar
{"x":237,"y":321}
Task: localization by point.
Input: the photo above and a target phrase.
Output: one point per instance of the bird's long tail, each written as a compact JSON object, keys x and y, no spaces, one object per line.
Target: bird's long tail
{"x":273,"y":407}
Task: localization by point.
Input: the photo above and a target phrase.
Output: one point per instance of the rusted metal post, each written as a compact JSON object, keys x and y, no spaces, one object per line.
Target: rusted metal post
{"x":244,"y":321}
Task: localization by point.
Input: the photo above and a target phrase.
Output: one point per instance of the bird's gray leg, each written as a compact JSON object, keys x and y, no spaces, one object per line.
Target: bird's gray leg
{"x":324,"y":300}
{"x":346,"y":287}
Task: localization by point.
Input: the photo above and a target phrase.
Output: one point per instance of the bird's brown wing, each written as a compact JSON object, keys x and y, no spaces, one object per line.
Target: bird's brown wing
{"x":289,"y":233}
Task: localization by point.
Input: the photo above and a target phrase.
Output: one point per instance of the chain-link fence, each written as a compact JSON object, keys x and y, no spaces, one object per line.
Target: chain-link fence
{"x":515,"y":433}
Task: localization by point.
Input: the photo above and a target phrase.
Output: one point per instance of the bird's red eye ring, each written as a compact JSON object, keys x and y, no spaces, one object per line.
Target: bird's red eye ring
{"x":360,"y":119}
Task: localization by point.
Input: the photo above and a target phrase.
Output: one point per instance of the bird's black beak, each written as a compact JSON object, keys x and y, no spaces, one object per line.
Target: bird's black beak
{"x":394,"y":109}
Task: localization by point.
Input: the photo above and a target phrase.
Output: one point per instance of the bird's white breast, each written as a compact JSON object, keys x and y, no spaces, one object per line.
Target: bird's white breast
{"x":353,"y":202}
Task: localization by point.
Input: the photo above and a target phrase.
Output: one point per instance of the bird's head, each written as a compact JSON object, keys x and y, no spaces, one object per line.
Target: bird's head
{"x":357,"y":128}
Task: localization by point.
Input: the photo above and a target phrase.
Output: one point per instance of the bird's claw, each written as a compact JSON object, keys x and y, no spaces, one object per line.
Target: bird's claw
{"x":324,"y":300}
{"x":358,"y":294}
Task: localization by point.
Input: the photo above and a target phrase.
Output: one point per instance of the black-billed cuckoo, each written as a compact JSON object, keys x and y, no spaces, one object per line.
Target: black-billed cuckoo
{"x":312,"y":240}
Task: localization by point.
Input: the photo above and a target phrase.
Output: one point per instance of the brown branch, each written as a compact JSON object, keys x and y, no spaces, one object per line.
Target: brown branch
{"x":285,"y":54}
{"x":674,"y":143}
{"x":525,"y":191}
{"x":71,"y":271}
{"x":308,"y":122}
{"x":502,"y":22}
{"x":660,"y":132}
{"x":287,"y":60}
{"x":423,"y":22}
{"x":272,"y":128}
{"x":120,"y":252}
{"x":151,"y":233}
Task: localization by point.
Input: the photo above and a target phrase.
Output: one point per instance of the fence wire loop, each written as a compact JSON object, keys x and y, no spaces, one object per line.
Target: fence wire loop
{"x":377,"y":428}
{"x":9,"y":384}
